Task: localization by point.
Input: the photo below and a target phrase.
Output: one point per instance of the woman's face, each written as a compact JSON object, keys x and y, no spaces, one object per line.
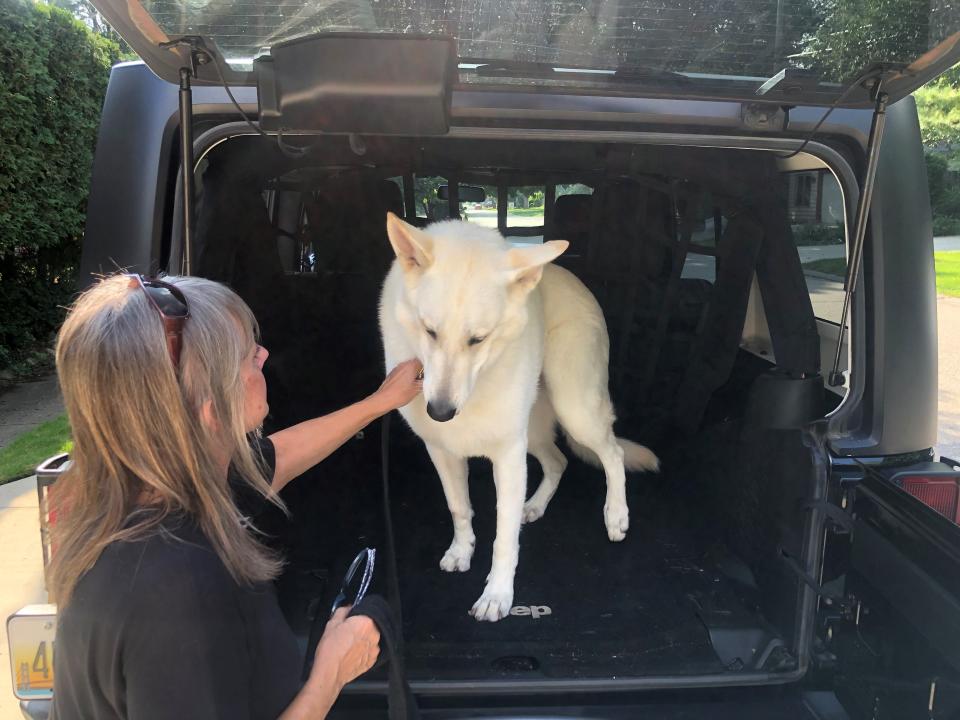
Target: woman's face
{"x":255,"y":405}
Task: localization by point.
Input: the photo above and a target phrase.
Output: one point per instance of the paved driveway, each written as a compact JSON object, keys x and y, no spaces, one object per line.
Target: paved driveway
{"x":26,"y":405}
{"x":21,"y":571}
{"x":948,"y":322}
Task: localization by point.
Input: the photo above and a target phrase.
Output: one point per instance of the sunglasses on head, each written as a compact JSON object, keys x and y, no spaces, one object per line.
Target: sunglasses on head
{"x":169,"y":302}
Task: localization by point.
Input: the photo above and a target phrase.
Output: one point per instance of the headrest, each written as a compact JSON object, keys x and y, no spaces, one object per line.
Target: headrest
{"x":572,"y":213}
{"x":391,"y":197}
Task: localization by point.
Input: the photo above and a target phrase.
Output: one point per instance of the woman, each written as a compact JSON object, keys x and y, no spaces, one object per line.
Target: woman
{"x":165,"y":604}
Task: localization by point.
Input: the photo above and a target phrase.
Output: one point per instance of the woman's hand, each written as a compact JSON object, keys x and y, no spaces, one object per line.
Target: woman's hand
{"x":402,"y":385}
{"x":348,"y":648}
{"x":302,"y":446}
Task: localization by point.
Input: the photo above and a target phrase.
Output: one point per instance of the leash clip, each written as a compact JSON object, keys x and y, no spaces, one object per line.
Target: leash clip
{"x":367,"y":556}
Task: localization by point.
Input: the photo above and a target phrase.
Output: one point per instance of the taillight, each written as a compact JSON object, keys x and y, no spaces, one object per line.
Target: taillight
{"x":940,"y":492}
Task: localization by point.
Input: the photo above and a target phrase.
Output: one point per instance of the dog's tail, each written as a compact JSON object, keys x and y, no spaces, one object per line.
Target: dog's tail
{"x":635,"y":455}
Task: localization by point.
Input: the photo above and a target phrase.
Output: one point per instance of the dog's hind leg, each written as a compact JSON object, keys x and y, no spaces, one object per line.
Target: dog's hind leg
{"x":575,"y":368}
{"x":553,"y":463}
{"x":453,"y":475}
{"x":586,"y":414}
{"x":602,"y":442}
{"x":541,"y":433}
{"x":616,"y":514}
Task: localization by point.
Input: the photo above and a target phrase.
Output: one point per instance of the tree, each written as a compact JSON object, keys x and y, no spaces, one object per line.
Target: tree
{"x":86,"y":13}
{"x":725,"y":37}
{"x":852,"y":33}
{"x":939,"y":107}
{"x":53,"y":76}
{"x":951,"y":78}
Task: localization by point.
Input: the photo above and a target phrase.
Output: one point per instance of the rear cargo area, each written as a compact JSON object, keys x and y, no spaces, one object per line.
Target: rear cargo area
{"x":587,"y":608}
{"x":678,"y":246}
{"x":696,"y":589}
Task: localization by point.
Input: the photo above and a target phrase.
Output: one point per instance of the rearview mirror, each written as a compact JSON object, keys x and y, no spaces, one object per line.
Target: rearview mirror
{"x":466,"y":193}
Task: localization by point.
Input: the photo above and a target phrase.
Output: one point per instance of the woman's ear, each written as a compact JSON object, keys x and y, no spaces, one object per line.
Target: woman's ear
{"x":208,"y":417}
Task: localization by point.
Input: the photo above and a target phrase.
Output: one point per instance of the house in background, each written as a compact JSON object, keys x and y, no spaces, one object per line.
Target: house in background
{"x":814,"y":198}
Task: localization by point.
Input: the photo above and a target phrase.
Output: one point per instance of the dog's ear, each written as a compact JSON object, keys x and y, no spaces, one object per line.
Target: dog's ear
{"x":412,"y":246}
{"x":526,"y":264}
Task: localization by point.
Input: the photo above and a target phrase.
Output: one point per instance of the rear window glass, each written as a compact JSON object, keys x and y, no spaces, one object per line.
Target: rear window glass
{"x":835,"y":39}
{"x":525,"y":206}
{"x":429,"y":205}
{"x":815,"y":209}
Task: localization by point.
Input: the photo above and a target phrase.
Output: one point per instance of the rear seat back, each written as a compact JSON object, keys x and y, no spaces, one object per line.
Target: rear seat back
{"x":673,"y":340}
{"x":391,"y":197}
{"x":572,"y":215}
{"x":321,"y":328}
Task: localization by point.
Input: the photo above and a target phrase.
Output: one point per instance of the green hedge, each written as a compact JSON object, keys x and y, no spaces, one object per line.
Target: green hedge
{"x":53,"y":76}
{"x":944,"y":195}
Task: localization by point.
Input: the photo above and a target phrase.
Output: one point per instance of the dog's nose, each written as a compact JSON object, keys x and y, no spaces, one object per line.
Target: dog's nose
{"x":441,"y":411}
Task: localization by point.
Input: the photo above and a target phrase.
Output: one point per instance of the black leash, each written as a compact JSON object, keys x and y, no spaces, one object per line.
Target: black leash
{"x":393,"y":576}
{"x":401,"y":704}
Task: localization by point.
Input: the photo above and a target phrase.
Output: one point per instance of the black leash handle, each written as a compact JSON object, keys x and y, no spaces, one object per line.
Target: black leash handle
{"x":401,"y":704}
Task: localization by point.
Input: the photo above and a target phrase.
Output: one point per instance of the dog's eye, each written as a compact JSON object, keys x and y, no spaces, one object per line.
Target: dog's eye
{"x":476,"y":340}
{"x":431,"y":333}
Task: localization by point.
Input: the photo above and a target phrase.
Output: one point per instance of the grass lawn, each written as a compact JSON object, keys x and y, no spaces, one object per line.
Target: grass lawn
{"x":948,"y":272}
{"x":947,"y":264}
{"x":21,"y":457}
{"x":830,"y":266}
{"x":525,"y":212}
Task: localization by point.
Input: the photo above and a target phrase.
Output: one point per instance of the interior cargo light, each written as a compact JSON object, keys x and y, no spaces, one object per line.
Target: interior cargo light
{"x":940,"y":492}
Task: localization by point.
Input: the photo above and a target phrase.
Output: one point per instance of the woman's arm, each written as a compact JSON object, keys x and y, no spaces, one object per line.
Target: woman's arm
{"x":300,"y":447}
{"x":348,"y":648}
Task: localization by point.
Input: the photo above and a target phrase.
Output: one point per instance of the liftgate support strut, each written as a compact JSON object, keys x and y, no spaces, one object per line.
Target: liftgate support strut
{"x":199,"y":55}
{"x":863,"y":214}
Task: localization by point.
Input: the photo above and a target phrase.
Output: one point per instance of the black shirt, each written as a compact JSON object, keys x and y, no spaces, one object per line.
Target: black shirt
{"x":158,"y":629}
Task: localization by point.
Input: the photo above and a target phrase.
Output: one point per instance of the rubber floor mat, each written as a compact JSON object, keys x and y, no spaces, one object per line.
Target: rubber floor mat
{"x":583,"y":606}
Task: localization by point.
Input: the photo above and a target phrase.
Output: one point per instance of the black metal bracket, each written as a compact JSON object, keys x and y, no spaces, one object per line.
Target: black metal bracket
{"x":199,"y":54}
{"x":863,"y":215}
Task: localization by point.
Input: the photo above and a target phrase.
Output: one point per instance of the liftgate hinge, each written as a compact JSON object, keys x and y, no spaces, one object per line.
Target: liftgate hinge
{"x":764,"y":117}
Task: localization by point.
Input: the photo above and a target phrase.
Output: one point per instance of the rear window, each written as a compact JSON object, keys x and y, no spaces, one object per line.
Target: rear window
{"x":747,"y":40}
{"x":429,"y":205}
{"x":815,"y":209}
{"x":525,"y":206}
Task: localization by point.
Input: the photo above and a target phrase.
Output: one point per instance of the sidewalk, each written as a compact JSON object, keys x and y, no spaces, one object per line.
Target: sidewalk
{"x":26,"y":405}
{"x":809,"y":253}
{"x":22,"y":408}
{"x":948,"y":242}
{"x":948,"y":320}
{"x":21,"y":567}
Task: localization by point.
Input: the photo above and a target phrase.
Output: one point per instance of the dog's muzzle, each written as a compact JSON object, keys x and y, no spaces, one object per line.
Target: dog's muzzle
{"x":441,"y":412}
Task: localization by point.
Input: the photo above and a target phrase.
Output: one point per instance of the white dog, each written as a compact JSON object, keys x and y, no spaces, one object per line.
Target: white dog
{"x":489,"y":323}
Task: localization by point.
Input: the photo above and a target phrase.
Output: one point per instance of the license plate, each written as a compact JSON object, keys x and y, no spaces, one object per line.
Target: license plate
{"x":30,"y":634}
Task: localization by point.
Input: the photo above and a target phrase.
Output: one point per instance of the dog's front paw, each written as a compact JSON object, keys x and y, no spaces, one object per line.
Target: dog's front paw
{"x":457,"y":557}
{"x":617,"y":519}
{"x":493,"y":605}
